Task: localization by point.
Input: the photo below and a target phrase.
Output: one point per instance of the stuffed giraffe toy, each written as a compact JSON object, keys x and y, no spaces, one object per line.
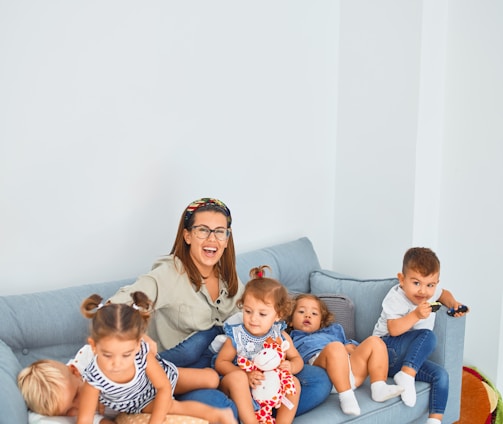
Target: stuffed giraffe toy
{"x":277,"y":382}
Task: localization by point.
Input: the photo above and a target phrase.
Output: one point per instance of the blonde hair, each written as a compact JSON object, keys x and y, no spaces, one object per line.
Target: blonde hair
{"x":42,"y":384}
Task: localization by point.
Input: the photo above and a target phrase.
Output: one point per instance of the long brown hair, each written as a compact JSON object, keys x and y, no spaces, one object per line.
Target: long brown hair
{"x":226,"y":267}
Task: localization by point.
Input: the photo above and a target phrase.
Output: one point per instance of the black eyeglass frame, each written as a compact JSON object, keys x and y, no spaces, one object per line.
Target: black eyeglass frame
{"x":226,"y":233}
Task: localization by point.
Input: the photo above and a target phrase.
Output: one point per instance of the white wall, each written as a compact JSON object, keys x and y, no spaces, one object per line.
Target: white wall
{"x":115,"y":116}
{"x":366,"y":126}
{"x":471,"y":227}
{"x":419,"y":151}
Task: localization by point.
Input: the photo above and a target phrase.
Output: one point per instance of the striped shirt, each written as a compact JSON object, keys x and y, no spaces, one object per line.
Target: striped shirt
{"x":133,"y":396}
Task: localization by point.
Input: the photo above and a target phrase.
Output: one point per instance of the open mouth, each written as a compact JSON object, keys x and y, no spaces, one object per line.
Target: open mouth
{"x":211,"y":251}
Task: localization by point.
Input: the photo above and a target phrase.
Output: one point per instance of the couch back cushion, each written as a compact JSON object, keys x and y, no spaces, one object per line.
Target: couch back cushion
{"x":291,"y":263}
{"x":367,"y":296}
{"x":25,"y":321}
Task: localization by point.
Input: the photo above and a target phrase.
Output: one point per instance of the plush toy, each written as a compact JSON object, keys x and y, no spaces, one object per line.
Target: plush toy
{"x":277,"y":382}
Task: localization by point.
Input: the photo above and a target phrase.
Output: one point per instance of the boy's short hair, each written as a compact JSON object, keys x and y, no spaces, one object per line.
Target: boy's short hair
{"x":42,"y":384}
{"x":422,"y":260}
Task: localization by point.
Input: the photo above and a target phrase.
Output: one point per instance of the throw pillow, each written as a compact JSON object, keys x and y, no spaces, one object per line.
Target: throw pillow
{"x":367,"y":296}
{"x":344,"y":311}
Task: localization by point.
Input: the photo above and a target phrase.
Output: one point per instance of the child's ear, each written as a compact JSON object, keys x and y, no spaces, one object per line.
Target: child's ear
{"x":74,"y":371}
{"x":92,"y":344}
{"x":400,"y":277}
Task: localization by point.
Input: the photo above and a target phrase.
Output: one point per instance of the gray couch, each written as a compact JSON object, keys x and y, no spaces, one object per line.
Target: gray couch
{"x":49,"y":325}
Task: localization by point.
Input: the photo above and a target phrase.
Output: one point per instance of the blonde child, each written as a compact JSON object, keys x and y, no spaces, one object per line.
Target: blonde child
{"x":322,"y":342}
{"x":406,"y":326}
{"x":125,"y":375}
{"x":265,"y":303}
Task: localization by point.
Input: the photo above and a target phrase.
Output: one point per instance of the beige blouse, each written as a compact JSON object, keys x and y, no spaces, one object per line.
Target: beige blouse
{"x":180,"y":311}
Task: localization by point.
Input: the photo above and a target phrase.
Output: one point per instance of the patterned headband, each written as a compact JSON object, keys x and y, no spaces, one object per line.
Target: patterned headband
{"x":208,"y":201}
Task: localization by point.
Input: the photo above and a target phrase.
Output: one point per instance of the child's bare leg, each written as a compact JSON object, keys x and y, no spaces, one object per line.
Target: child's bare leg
{"x":201,"y":410}
{"x":196,"y":378}
{"x":371,"y":358}
{"x":285,"y":415}
{"x":334,"y":359}
{"x":236,"y":386}
{"x":406,"y":378}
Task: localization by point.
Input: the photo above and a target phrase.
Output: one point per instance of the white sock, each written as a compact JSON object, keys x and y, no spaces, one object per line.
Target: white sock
{"x":382,"y":391}
{"x":349,"y":404}
{"x":408,"y":383}
{"x":433,"y":421}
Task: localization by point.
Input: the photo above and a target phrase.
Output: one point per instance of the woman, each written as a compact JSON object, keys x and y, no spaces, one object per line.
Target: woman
{"x":195,"y":289}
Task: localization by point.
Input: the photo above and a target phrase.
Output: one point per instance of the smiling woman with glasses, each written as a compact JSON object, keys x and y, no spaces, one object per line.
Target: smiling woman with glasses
{"x":195,"y":289}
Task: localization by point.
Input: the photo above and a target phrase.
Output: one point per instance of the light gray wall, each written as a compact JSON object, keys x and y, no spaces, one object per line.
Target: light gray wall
{"x":115,"y":116}
{"x":369,"y":127}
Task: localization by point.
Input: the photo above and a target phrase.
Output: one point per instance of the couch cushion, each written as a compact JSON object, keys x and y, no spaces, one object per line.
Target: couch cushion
{"x":367,"y":296}
{"x":12,"y":406}
{"x":291,"y":263}
{"x":32,"y":338}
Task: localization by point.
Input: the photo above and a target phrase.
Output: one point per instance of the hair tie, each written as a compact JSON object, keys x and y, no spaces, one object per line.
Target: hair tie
{"x":135,"y":306}
{"x":100,"y":305}
{"x":260,"y":274}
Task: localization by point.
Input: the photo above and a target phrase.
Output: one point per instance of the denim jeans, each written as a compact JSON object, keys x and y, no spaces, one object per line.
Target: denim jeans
{"x":194,"y":352}
{"x":212,"y":397}
{"x":412,"y":349}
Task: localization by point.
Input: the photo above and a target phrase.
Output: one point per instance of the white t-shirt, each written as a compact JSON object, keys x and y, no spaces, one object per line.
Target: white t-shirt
{"x":396,"y":305}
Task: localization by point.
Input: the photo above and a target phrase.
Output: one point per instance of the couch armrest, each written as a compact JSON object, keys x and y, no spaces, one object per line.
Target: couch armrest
{"x":450,"y":334}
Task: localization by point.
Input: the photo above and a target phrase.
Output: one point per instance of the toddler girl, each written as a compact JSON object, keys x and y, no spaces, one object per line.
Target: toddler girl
{"x":125,"y":375}
{"x":265,"y":302}
{"x":322,"y":342}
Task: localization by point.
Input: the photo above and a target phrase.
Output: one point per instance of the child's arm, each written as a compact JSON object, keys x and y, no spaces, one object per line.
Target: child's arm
{"x":293,"y":362}
{"x":163,"y":402}
{"x":224,"y":364}
{"x":398,"y":326}
{"x":447,"y":299}
{"x":89,"y":396}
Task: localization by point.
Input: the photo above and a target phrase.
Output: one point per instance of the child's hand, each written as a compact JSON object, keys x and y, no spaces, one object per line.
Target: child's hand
{"x":255,"y":378}
{"x":458,"y":310}
{"x":423,"y":310}
{"x":286,"y":365}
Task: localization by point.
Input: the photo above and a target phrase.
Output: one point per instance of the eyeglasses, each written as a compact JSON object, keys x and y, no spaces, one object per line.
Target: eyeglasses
{"x":203,"y":232}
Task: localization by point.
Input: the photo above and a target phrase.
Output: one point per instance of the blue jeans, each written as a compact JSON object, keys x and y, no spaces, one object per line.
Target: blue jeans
{"x":194,"y":352}
{"x":412,"y":349}
{"x":212,"y":397}
{"x":315,"y":387}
